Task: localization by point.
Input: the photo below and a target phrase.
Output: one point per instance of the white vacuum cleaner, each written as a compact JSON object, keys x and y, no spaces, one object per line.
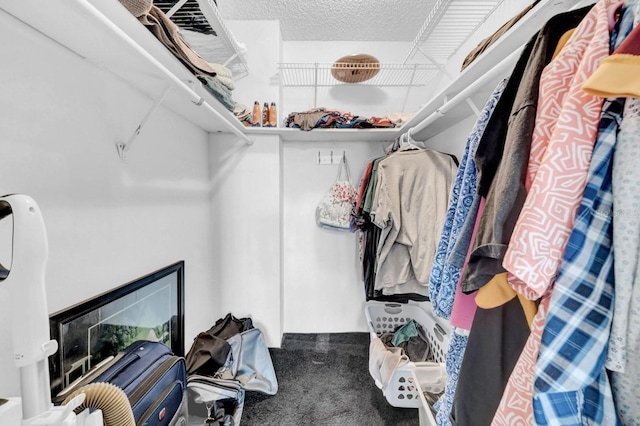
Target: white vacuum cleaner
{"x":32,"y":345}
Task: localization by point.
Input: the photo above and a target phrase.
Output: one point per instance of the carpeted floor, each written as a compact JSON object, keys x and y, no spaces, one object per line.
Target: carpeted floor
{"x":324,"y":380}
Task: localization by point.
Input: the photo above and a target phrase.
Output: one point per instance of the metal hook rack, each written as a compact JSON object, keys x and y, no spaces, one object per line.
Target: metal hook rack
{"x":327,"y":159}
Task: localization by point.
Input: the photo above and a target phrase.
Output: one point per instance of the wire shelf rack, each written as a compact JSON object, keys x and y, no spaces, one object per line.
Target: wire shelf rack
{"x":206,"y":32}
{"x":319,"y":74}
{"x":448,"y":26}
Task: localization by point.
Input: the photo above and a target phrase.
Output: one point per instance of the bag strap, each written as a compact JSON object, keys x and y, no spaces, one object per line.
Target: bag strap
{"x":344,"y":165}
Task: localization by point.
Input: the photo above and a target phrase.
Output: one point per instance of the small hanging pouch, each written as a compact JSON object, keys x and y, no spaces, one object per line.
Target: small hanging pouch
{"x":334,"y":211}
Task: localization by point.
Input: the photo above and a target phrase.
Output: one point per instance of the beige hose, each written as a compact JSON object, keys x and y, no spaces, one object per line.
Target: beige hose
{"x":115,"y":406}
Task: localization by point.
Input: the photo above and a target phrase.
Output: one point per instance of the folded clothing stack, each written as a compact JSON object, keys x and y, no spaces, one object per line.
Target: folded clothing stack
{"x":224,"y":75}
{"x":243,"y":114}
{"x":218,"y":89}
{"x":331,"y":118}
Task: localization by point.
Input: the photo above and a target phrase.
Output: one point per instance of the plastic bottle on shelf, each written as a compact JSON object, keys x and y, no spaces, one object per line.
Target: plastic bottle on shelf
{"x":255,"y":117}
{"x":273,"y":115}
{"x":265,"y":115}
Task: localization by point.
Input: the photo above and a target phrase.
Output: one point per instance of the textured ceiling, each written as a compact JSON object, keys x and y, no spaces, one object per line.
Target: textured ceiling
{"x":332,"y":20}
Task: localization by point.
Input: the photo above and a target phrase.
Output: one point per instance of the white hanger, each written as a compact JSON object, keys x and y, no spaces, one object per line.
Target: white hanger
{"x":408,"y":143}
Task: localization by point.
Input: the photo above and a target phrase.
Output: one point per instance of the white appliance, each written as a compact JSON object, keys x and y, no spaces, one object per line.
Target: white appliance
{"x":24,"y":280}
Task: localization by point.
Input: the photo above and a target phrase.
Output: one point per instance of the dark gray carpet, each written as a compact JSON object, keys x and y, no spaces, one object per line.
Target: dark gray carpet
{"x":324,"y":380}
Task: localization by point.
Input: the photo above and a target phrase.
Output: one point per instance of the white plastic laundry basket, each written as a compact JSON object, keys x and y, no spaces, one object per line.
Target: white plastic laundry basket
{"x":402,"y":391}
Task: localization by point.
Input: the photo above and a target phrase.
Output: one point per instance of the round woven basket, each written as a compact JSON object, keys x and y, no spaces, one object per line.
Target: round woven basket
{"x":355,"y":68}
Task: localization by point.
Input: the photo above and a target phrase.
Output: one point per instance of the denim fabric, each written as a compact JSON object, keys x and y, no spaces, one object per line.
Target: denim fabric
{"x":444,"y":276}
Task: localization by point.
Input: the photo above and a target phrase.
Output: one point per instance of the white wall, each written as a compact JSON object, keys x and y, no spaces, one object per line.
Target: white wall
{"x":454,"y":139}
{"x":323,"y":288}
{"x":263,"y":43}
{"x":108,"y":221}
{"x":245,"y":217}
{"x":246,"y":198}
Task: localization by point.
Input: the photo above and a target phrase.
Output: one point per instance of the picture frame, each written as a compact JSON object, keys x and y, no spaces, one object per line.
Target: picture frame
{"x":150,"y":307}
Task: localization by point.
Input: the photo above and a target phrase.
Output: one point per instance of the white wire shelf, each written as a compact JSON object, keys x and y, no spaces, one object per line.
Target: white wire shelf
{"x":319,"y":74}
{"x":206,"y":32}
{"x":448,"y":26}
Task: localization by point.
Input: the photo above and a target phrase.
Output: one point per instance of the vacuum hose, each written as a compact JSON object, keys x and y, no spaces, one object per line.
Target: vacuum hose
{"x":115,"y":406}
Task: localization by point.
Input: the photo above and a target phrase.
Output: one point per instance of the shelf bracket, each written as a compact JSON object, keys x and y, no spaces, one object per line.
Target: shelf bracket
{"x":315,"y":85}
{"x":440,"y":67}
{"x":123,"y":147}
{"x":175,"y":8}
{"x":406,"y":96}
{"x":473,"y":107}
{"x":232,"y":58}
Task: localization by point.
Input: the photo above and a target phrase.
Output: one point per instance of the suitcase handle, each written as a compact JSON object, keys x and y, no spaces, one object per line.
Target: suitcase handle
{"x":121,"y":364}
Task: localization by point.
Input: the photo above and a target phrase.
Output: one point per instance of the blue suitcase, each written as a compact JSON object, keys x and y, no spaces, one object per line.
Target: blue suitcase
{"x":152,"y":377}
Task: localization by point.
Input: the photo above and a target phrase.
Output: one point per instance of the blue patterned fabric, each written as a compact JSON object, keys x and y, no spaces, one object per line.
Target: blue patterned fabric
{"x":444,"y":276}
{"x":571,"y":385}
{"x":453,"y":361}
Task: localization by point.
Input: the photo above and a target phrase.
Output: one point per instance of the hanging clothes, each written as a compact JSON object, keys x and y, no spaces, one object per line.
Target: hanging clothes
{"x":587,"y":47}
{"x":624,"y":343}
{"x":516,"y":403}
{"x":624,"y":340}
{"x":444,"y":288}
{"x":542,"y":258}
{"x":453,"y":362}
{"x":444,"y":275}
{"x":499,"y":330}
{"x":503,"y":152}
{"x":491,"y":373}
{"x":503,"y":319}
{"x":571,"y":385}
{"x":616,"y":77}
{"x":497,"y":336}
{"x":559,"y":158}
{"x":400,"y":289}
{"x":409,"y":206}
{"x":457,"y":347}
{"x":361,"y":221}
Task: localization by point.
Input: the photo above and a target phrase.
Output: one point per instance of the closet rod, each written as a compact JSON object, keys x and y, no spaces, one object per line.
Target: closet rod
{"x":502,"y":68}
{"x":199,"y":100}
